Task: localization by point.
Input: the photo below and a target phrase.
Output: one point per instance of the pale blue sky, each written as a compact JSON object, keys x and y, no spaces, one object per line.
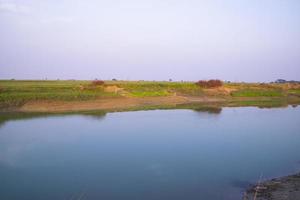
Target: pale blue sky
{"x":237,"y":40}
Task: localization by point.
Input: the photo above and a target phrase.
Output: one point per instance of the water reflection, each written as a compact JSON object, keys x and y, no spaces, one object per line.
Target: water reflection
{"x":240,"y":183}
{"x":198,"y":107}
{"x":210,"y":110}
{"x":14,"y":116}
{"x":170,"y":154}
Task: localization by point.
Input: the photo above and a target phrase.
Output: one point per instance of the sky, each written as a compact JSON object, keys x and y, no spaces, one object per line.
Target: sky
{"x":249,"y":40}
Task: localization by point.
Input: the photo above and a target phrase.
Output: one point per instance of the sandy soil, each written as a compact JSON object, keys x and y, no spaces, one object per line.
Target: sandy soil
{"x":127,"y":103}
{"x":285,"y":188}
{"x":108,"y":104}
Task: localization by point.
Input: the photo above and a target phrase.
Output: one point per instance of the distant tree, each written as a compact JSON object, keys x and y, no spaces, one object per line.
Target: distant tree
{"x":280,"y":81}
{"x":97,"y":82}
{"x":210,"y":83}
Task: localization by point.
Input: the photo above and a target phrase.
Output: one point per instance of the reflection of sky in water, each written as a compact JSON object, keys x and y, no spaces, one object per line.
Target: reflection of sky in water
{"x":171,"y":154}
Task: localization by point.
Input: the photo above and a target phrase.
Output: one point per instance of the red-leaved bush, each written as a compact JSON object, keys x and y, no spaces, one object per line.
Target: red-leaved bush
{"x":97,"y":82}
{"x":210,"y":83}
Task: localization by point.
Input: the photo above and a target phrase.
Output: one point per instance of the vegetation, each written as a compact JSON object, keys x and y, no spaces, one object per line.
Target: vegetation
{"x":260,"y":92}
{"x":97,"y":82}
{"x":209,"y":84}
{"x":295,"y":92}
{"x":16,"y":93}
{"x":146,"y":89}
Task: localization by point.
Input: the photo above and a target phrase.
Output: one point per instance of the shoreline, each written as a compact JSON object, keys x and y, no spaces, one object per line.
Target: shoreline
{"x":109,"y":96}
{"x":145,"y":103}
{"x":282,"y":188}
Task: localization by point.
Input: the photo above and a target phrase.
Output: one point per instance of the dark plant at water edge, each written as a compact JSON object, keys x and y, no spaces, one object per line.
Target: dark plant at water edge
{"x":209,"y":83}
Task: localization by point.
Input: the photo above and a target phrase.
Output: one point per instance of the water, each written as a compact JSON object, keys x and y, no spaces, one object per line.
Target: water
{"x":147,"y":155}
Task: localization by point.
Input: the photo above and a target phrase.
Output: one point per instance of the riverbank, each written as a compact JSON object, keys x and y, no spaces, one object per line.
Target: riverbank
{"x":110,"y":96}
{"x":284,"y":188}
{"x":144,"y":103}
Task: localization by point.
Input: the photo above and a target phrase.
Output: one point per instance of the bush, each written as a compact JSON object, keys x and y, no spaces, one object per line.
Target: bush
{"x":210,"y":83}
{"x":97,"y":82}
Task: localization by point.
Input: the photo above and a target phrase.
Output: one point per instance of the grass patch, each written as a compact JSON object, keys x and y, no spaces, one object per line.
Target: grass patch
{"x":258,"y":93}
{"x":295,"y":92}
{"x":16,"y":93}
{"x":146,"y":89}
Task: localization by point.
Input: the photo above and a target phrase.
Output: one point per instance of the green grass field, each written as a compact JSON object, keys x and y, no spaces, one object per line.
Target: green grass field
{"x":144,"y":88}
{"x":248,"y":92}
{"x":16,"y":93}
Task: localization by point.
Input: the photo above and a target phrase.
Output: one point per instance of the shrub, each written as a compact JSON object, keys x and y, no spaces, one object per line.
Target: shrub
{"x":210,"y":83}
{"x":97,"y":82}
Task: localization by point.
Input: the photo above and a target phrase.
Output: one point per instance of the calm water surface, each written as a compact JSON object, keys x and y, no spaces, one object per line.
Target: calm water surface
{"x":147,"y":155}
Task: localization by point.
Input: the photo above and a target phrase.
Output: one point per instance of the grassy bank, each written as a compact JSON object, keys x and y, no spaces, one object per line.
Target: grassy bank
{"x":18,"y":93}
